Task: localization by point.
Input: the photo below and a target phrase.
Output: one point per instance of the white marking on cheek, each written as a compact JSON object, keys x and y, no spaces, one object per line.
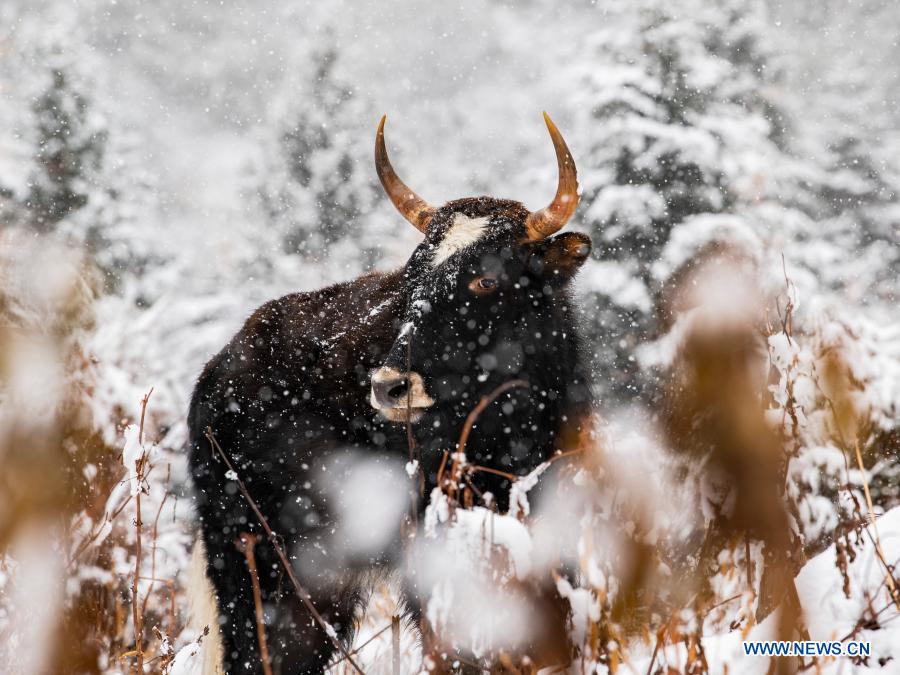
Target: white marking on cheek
{"x":464,"y":232}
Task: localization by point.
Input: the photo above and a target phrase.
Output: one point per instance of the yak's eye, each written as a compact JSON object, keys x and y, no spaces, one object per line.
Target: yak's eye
{"x":483,"y":285}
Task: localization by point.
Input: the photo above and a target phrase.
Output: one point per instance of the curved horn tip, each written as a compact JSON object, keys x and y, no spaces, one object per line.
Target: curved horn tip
{"x":551,"y":127}
{"x":549,"y":122}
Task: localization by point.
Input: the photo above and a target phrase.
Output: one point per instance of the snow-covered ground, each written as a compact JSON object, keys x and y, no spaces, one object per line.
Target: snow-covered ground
{"x":864,"y":612}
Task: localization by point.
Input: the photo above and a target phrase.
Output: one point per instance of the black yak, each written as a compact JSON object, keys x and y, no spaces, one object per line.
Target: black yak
{"x":484,"y":299}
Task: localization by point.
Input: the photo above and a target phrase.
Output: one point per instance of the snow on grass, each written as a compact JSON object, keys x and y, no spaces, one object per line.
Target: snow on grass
{"x":827,"y":612}
{"x":471,"y":535}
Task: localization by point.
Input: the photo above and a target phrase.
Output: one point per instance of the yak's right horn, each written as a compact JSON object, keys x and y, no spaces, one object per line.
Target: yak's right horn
{"x":541,"y":224}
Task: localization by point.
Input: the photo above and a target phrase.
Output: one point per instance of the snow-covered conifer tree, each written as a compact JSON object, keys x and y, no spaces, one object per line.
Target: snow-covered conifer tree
{"x":84,"y":181}
{"x":859,"y":182}
{"x":678,"y":124}
{"x":317,"y":187}
{"x":70,"y":143}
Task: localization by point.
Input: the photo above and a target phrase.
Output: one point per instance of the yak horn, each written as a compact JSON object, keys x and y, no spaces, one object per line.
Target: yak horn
{"x":415,"y":209}
{"x":541,"y":224}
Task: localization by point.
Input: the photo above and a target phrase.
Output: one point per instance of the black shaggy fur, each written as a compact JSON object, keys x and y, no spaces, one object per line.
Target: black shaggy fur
{"x":291,"y":389}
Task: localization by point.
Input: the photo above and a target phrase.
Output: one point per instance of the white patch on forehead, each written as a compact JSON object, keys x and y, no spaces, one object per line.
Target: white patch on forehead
{"x":463,"y":232}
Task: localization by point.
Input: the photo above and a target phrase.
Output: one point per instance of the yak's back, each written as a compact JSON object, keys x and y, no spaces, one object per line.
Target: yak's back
{"x":326,"y":332}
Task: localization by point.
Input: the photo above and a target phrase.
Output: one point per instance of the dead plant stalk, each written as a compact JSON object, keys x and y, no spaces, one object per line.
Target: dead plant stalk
{"x":459,"y":456}
{"x":246,"y":544}
{"x":889,"y":575}
{"x":136,"y":607}
{"x":395,"y":644}
{"x":154,"y":537}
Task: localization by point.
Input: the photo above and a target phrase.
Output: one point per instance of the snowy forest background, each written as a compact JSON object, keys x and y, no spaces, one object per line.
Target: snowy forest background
{"x":166,"y":167}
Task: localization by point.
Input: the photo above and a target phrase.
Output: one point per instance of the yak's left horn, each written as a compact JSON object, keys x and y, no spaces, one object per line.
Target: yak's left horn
{"x":415,"y":209}
{"x":541,"y":224}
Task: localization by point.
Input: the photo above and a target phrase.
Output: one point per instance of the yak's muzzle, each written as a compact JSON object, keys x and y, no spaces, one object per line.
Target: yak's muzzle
{"x":399,"y":395}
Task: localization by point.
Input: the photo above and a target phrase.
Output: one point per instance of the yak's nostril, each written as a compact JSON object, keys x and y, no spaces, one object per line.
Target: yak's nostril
{"x":390,"y":391}
{"x":395,"y":390}
{"x":399,"y":389}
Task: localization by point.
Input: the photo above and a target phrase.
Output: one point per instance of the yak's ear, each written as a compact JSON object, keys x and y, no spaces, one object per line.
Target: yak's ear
{"x":560,"y":257}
